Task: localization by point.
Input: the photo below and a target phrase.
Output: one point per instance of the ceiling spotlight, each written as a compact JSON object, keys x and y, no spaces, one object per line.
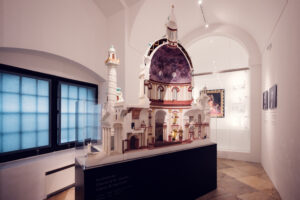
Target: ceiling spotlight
{"x":200,"y":2}
{"x":206,"y":25}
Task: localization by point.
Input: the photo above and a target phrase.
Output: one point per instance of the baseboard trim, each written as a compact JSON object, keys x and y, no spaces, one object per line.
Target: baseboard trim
{"x":59,"y":169}
{"x":60,"y":190}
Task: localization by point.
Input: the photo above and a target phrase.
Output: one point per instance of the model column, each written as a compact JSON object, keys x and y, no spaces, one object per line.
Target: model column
{"x":112,"y":62}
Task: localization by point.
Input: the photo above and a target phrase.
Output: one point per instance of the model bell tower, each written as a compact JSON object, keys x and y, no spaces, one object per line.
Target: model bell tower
{"x":112,"y":62}
{"x":171,"y":29}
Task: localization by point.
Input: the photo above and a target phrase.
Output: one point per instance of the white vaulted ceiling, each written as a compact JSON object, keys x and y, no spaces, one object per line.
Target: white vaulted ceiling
{"x":256,"y":17}
{"x":78,"y":30}
{"x":111,"y":7}
{"x":217,"y":53}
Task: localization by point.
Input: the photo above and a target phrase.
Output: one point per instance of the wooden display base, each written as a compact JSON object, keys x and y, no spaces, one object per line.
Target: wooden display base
{"x":186,"y":174}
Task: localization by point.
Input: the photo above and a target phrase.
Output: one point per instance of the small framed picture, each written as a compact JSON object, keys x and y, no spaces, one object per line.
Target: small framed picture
{"x":265,"y":100}
{"x":273,"y":97}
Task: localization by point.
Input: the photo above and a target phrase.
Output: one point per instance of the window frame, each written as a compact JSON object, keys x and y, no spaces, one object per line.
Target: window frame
{"x":61,"y":145}
{"x":54,"y":111}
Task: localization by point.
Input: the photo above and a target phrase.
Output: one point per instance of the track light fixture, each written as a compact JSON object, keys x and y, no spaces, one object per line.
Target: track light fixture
{"x":200,"y":2}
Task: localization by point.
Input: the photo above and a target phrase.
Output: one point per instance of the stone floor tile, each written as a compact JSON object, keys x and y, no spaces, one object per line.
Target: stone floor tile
{"x":222,"y":165}
{"x":233,"y":186}
{"x":218,"y":194}
{"x":234,"y":172}
{"x":273,"y":193}
{"x":251,"y":170}
{"x":256,"y":182}
{"x":255,"y":196}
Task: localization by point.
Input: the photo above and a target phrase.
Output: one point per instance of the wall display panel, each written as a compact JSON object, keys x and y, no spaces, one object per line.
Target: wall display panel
{"x":24,"y":112}
{"x":232,"y":133}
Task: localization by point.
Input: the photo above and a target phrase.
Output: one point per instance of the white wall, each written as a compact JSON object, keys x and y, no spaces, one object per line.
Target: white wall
{"x":25,"y":179}
{"x":280,"y":127}
{"x":73,"y":29}
{"x":255,"y":121}
{"x":19,"y":178}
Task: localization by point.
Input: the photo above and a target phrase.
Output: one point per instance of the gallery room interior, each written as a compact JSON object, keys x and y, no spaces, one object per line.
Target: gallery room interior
{"x":149,"y":99}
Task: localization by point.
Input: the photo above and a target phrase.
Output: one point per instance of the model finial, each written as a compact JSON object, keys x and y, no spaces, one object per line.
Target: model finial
{"x":172,"y":28}
{"x":112,"y":49}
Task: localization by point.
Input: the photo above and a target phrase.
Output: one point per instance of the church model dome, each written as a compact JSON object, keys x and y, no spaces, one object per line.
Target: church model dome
{"x":169,"y":65}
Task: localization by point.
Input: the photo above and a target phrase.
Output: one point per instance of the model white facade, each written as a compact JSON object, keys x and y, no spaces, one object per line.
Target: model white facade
{"x":167,"y":113}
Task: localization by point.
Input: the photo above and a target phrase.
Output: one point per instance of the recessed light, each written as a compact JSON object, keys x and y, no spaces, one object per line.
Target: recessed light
{"x":200,"y":2}
{"x":206,"y":25}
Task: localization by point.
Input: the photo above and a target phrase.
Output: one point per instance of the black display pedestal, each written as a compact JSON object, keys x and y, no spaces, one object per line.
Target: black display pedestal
{"x":184,"y":175}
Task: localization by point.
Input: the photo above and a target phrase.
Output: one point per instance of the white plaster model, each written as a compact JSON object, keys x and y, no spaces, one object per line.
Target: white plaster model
{"x":166,"y":113}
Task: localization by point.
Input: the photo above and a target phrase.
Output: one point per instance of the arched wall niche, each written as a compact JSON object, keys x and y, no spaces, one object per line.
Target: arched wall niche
{"x":247,"y":42}
{"x":230,"y":31}
{"x":48,"y":63}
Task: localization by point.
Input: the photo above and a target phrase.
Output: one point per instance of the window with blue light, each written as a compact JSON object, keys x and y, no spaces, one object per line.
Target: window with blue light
{"x":70,"y":109}
{"x":24,"y":112}
{"x":39,"y":112}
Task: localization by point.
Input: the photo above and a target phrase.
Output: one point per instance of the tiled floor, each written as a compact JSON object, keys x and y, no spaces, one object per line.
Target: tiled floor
{"x":236,"y":180}
{"x":242,"y":180}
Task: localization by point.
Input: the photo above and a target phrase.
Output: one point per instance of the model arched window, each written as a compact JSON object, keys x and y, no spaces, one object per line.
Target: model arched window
{"x":175,"y":91}
{"x":174,"y":94}
{"x":160,"y":90}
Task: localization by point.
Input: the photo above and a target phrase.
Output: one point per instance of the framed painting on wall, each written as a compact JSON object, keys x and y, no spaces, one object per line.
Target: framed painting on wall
{"x":273,"y":97}
{"x":265,"y":100}
{"x":216,"y":103}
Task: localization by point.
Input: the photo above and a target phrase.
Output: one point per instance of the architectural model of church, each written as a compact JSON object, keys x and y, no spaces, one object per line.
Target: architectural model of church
{"x":166,"y":114}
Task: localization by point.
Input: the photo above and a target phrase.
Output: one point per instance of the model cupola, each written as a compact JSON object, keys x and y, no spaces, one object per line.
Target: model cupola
{"x":171,"y":29}
{"x":112,"y":56}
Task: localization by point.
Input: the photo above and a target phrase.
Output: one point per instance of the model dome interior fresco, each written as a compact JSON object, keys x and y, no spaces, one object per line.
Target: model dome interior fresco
{"x":167,"y":114}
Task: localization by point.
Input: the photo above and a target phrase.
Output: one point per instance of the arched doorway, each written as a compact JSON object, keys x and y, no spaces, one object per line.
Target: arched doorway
{"x":134,"y":143}
{"x":159,"y":123}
